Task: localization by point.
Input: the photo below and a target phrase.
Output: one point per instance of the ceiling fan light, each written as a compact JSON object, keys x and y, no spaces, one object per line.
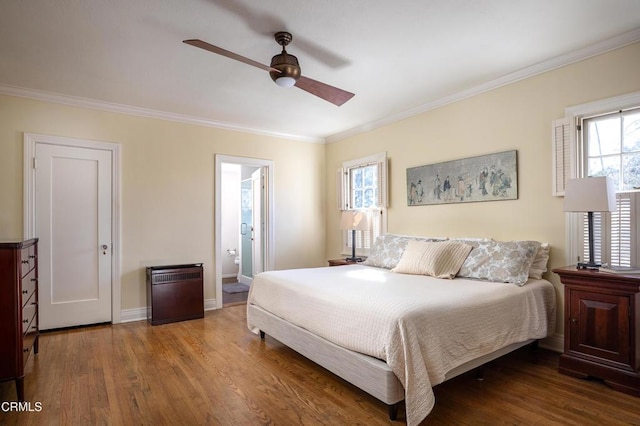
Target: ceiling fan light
{"x":285,"y":81}
{"x":288,"y":69}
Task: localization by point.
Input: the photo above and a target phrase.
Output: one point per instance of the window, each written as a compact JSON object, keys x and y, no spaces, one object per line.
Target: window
{"x":611,"y":146}
{"x":602,"y":139}
{"x":362,"y":185}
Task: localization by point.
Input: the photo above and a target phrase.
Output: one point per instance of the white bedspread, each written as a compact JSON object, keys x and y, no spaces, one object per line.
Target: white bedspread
{"x":421,"y":326}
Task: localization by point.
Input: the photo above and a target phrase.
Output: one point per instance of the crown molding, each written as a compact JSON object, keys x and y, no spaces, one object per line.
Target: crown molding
{"x":141,"y":112}
{"x":604,"y":46}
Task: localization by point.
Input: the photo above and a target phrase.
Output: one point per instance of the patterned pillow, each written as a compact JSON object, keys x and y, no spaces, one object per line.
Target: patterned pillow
{"x":539,"y":264}
{"x":436,"y":259}
{"x":388,"y":248}
{"x":497,"y":261}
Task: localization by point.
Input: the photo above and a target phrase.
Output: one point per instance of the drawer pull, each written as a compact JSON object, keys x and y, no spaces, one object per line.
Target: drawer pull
{"x":25,"y":321}
{"x":25,"y":350}
{"x":25,"y":291}
{"x":33,"y":303}
{"x":24,"y":262}
{"x":34,"y":280}
{"x":32,"y":256}
{"x":33,"y":327}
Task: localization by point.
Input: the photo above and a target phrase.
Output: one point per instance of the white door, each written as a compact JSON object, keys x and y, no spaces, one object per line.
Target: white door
{"x":257,"y":190}
{"x":73,"y":196}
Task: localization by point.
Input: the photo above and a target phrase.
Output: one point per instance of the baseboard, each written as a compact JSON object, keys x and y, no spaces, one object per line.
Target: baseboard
{"x":135,"y":314}
{"x":139,"y":314}
{"x":210,"y":304}
{"x":553,"y":343}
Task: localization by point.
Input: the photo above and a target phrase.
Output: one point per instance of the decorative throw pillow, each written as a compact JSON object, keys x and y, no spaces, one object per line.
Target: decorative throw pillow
{"x":436,"y":259}
{"x":539,"y":264}
{"x":497,"y":261}
{"x":388,"y":248}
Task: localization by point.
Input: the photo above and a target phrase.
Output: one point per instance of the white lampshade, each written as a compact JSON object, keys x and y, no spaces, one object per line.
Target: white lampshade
{"x":354,"y":219}
{"x":591,"y":194}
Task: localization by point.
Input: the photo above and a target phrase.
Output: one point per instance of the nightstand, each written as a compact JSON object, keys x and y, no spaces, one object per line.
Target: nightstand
{"x":340,"y":262}
{"x":601,"y":327}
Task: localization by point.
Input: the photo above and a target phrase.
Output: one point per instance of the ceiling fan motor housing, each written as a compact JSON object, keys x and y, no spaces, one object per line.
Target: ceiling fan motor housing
{"x":288,"y":67}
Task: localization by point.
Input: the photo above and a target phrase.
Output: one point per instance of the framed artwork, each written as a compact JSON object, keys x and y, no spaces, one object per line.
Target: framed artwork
{"x":489,"y":177}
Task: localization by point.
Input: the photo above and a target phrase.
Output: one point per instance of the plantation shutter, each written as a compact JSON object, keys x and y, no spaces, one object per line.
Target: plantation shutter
{"x":618,"y":248}
{"x":341,"y":191}
{"x":598,"y":221}
{"x":621,"y":231}
{"x":383,"y":198}
{"x":562,"y":151}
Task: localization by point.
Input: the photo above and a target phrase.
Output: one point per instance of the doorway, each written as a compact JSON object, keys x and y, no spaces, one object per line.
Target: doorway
{"x":243,"y":222}
{"x":71,"y":190}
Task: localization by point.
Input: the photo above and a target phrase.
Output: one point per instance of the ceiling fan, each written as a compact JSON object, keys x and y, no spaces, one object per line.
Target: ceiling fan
{"x":284,"y":70}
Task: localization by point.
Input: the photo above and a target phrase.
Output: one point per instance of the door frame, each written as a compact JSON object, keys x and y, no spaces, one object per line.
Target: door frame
{"x":268,"y":213}
{"x":30,"y":140}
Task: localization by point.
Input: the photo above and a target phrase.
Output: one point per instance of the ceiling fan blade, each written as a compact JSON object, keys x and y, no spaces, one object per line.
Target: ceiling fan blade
{"x":328,"y":93}
{"x":220,"y":51}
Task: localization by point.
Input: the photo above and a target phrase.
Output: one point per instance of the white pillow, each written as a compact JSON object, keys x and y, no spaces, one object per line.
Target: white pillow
{"x":436,"y":259}
{"x":388,"y":248}
{"x":539,"y":265}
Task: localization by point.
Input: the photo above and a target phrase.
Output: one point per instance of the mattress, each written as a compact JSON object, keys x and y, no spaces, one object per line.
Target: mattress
{"x":422,"y":327}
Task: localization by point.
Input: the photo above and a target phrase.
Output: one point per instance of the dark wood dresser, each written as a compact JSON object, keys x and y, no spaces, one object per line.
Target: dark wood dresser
{"x":601,"y":327}
{"x":174,"y":293}
{"x":18,"y":308}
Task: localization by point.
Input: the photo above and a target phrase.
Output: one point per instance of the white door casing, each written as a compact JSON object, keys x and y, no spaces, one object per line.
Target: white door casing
{"x":257,"y":191}
{"x":69,"y":195}
{"x":267,"y":211}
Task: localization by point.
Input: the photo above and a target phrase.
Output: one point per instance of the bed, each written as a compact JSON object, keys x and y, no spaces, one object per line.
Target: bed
{"x":396,"y":333}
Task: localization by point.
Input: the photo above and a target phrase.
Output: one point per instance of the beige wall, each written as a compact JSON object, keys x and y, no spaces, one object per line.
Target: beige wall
{"x":163,"y":160}
{"x":517,"y":116}
{"x":168,"y":186}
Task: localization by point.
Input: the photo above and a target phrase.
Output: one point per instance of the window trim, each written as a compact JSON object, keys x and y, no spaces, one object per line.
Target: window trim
{"x":573,"y":116}
{"x":344,"y":193}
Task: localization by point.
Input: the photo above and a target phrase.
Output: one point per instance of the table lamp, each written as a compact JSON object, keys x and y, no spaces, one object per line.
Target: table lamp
{"x":591,"y":194}
{"x":354,"y":220}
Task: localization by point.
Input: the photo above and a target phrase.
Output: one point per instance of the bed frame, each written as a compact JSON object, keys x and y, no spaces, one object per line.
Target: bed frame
{"x":370,"y":374}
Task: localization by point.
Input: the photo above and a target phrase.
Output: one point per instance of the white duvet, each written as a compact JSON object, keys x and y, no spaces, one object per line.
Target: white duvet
{"x":421,"y":326}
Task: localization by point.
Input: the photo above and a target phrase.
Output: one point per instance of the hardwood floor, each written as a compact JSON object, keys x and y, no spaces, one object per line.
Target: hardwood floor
{"x":213,"y":371}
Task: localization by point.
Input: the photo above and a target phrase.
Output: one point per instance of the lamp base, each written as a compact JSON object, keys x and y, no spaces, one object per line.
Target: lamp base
{"x":588,"y":265}
{"x":354,"y":259}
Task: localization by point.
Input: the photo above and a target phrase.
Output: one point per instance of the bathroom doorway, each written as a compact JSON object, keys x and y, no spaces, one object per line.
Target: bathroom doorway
{"x":243,"y":225}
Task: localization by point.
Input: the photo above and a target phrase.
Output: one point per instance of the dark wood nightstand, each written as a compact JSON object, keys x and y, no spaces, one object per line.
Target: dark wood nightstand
{"x":340,"y":262}
{"x":601,"y":327}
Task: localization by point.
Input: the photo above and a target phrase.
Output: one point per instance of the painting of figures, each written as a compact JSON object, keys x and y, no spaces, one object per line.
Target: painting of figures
{"x":489,"y":177}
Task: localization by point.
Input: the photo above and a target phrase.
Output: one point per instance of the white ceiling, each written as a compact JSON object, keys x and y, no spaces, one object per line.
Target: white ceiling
{"x":398,"y":57}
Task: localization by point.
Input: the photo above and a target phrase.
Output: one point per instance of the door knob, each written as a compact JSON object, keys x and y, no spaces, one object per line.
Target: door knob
{"x":104,"y":248}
